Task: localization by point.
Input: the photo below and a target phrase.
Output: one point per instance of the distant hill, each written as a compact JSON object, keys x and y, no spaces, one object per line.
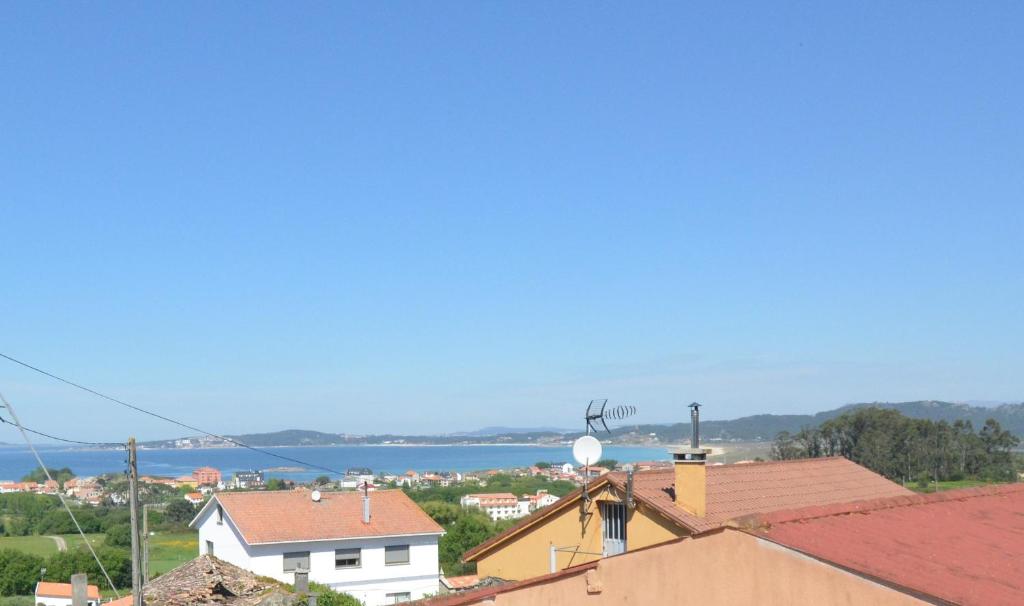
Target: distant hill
{"x":753,"y":428}
{"x":498,"y":431}
{"x":766,"y":427}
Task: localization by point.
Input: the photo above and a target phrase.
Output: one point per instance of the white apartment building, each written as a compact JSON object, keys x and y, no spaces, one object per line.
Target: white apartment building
{"x":382,"y":551}
{"x":497,"y":505}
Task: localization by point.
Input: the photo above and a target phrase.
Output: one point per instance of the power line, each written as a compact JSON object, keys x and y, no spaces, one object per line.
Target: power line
{"x":46,"y":470}
{"x":168,"y":419}
{"x":46,"y":435}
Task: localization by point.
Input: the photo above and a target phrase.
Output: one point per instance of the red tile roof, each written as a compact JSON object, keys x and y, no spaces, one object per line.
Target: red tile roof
{"x":63,"y":590}
{"x":462,"y":582}
{"x":288,"y":516}
{"x":744,"y":488}
{"x":493,"y":499}
{"x":737,"y":490}
{"x":962,"y":546}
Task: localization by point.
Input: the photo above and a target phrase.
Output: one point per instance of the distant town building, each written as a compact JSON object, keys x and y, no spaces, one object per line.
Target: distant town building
{"x":382,"y":550}
{"x":206,"y":476}
{"x":59,"y":594}
{"x":248,"y":479}
{"x":195,"y":498}
{"x":497,"y":505}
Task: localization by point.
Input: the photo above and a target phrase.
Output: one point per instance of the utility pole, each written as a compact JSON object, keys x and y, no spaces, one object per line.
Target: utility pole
{"x":133,"y":502}
{"x":145,"y":544}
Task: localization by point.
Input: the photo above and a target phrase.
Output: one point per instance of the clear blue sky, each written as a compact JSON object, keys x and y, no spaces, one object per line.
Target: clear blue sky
{"x":426,"y":217}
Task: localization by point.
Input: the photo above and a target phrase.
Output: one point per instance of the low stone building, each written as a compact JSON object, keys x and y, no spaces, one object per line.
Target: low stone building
{"x":207,"y":580}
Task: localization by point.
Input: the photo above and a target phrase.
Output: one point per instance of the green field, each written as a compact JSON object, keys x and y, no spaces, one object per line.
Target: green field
{"x":166,"y":550}
{"x":170,"y":550}
{"x":45,"y":546}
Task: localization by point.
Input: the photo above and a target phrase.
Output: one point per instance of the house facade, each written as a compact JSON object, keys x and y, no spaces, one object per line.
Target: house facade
{"x":626,"y":513}
{"x":497,"y":505}
{"x":380,"y":548}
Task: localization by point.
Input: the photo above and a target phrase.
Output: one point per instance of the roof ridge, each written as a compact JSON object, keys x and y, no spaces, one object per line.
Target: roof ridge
{"x":813,"y":512}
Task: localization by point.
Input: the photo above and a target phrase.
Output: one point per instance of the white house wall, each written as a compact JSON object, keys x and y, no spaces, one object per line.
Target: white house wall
{"x":370,"y":583}
{"x":372,"y":580}
{"x":228,"y":544}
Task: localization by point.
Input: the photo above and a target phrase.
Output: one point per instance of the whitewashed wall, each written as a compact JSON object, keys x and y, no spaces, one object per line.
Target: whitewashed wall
{"x":370,"y":583}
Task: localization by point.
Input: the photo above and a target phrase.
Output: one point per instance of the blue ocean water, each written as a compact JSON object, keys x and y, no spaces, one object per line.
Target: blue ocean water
{"x":16,"y":461}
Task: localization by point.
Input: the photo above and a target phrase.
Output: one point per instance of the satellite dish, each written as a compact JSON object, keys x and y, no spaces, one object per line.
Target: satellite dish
{"x":586,"y":450}
{"x":316,"y":496}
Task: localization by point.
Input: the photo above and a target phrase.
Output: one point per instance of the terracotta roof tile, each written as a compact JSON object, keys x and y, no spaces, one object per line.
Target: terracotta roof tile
{"x":63,"y":590}
{"x":741,"y":489}
{"x":287,"y":516}
{"x":737,"y":490}
{"x":962,"y":546}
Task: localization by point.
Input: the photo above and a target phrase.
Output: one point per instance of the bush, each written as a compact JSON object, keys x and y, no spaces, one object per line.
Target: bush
{"x":117,"y":561}
{"x":19,"y":572}
{"x":119,"y":536}
{"x":328,"y":597}
{"x":179,"y":512}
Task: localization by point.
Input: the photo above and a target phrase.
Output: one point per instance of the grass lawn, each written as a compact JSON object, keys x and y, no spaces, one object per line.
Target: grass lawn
{"x":45,"y":546}
{"x":40,"y":546}
{"x":170,"y":550}
{"x":74,"y":541}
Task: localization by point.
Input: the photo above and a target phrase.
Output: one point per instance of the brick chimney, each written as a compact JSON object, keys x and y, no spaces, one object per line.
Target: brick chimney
{"x":690,"y":470}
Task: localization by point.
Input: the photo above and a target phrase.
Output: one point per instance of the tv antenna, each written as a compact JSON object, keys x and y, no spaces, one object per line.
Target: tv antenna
{"x":598,"y":410}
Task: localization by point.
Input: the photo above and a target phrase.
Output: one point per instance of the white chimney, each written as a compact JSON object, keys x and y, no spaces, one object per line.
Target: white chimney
{"x":366,"y":508}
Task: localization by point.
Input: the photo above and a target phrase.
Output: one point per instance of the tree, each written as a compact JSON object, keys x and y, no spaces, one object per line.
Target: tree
{"x":19,"y":572}
{"x":179,"y":512}
{"x":608,"y":463}
{"x":119,"y":536}
{"x":441,"y":512}
{"x":322,"y":481}
{"x":906,"y":449}
{"x":785,"y":447}
{"x":542,"y":465}
{"x":60,"y":566}
{"x":276,"y":484}
{"x":38,"y":475}
{"x":467,"y":532}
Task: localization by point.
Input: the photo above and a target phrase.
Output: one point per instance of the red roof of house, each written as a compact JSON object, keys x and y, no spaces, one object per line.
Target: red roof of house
{"x":292,"y":515}
{"x":494,"y":498}
{"x":737,"y":490}
{"x":63,"y":590}
{"x":462,"y":582}
{"x":963,"y":546}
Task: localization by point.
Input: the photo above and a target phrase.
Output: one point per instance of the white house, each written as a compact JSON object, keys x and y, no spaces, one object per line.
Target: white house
{"x":59,"y":594}
{"x":383,"y":551}
{"x":497,"y":505}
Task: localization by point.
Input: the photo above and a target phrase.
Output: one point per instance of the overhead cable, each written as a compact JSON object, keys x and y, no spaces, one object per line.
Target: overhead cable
{"x":168,"y":419}
{"x":46,"y":435}
{"x":60,"y":496}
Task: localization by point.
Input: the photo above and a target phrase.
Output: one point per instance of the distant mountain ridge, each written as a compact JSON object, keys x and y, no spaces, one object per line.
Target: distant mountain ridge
{"x":766,"y":426}
{"x":762,"y":427}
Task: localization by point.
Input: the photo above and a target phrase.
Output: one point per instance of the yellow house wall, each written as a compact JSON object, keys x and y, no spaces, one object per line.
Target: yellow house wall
{"x":528,"y":554}
{"x":724,"y":569}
